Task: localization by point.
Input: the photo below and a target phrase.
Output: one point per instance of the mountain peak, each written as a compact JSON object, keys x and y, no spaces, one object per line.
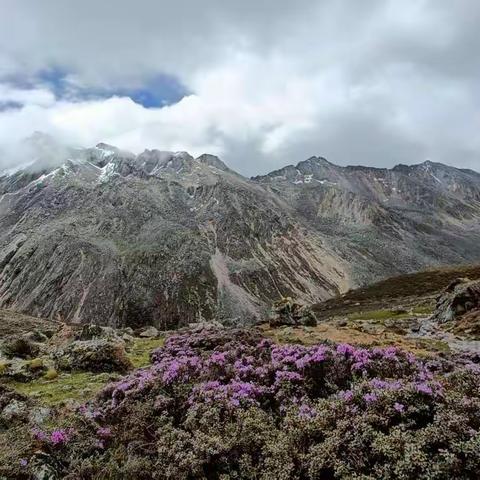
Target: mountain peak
{"x":317,"y":161}
{"x":212,"y":161}
{"x":106,"y":146}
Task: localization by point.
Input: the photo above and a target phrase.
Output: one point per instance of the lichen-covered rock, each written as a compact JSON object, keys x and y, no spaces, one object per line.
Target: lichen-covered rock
{"x":19,"y":346}
{"x":460,"y":297}
{"x":98,"y":355}
{"x":45,"y":467}
{"x":13,"y":407}
{"x":288,"y":312}
{"x":24,"y":370}
{"x":149,"y":332}
{"x":15,"y":411}
{"x":92,"y":331}
{"x":199,"y":326}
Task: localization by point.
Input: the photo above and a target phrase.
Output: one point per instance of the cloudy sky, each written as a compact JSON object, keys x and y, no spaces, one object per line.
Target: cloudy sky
{"x":260,"y":83}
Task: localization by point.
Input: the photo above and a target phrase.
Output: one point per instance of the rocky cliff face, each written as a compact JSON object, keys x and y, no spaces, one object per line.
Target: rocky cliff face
{"x":385,"y":222}
{"x":158,"y":238}
{"x":109,"y":237}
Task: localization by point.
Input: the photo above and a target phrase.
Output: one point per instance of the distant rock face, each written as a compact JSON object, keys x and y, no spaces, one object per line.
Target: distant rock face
{"x":165,"y":239}
{"x":460,"y":297}
{"x":158,"y":239}
{"x":385,"y":222}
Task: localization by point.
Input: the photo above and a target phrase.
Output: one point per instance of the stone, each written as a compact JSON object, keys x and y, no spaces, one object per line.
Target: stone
{"x":128,"y":338}
{"x":44,"y":467}
{"x":372,"y":328}
{"x":461,"y":296}
{"x":415,"y":326}
{"x":91,"y":332}
{"x":24,"y":370}
{"x":40,"y":415}
{"x":149,"y":332}
{"x":198,"y":326}
{"x":15,"y":410}
{"x":14,"y":407}
{"x":99,"y":355}
{"x":127,"y":331}
{"x":288,"y":312}
{"x":341,"y":322}
{"x":19,"y":346}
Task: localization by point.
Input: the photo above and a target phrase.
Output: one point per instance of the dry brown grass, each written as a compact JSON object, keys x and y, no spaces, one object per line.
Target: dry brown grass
{"x":326,"y":332}
{"x":18,"y":323}
{"x":415,"y":289}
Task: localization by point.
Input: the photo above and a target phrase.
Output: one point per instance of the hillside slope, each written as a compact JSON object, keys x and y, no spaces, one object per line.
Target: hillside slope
{"x":385,"y":222}
{"x":102,"y":235}
{"x":159,"y":238}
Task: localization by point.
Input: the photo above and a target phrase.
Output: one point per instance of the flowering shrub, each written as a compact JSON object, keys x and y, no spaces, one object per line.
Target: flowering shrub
{"x":230,"y":404}
{"x":56,"y":437}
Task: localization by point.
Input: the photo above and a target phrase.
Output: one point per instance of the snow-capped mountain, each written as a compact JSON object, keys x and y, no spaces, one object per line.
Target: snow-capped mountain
{"x":103,"y":235}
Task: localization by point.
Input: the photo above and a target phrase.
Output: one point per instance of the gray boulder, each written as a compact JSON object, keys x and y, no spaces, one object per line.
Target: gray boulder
{"x":288,"y":312}
{"x":460,"y":297}
{"x":211,"y":325}
{"x":149,"y":332}
{"x":14,"y":407}
{"x":99,"y":355}
{"x":92,"y":332}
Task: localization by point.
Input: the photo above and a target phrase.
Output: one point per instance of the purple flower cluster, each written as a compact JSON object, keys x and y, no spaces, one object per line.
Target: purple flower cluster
{"x":214,"y":397}
{"x":56,"y":437}
{"x":237,"y":368}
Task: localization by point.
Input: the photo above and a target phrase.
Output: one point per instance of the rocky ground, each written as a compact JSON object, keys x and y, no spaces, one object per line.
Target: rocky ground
{"x":51,"y":372}
{"x":218,"y":403}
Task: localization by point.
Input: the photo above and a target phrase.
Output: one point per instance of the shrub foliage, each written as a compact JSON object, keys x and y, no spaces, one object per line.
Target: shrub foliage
{"x":230,"y":404}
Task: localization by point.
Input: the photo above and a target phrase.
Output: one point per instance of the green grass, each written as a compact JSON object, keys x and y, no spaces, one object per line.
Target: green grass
{"x":376,"y":315}
{"x":139,"y":352}
{"x":433,"y":345}
{"x":83,"y":385}
{"x":65,"y":387}
{"x":385,"y":314}
{"x":398,"y":290}
{"x":413,"y":284}
{"x":423,"y":310}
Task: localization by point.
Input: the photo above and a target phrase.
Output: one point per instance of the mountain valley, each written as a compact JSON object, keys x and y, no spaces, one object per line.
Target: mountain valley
{"x":162,"y":238}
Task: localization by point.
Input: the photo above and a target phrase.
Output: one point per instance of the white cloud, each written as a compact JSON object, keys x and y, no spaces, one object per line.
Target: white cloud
{"x":374,"y":82}
{"x":36,"y":96}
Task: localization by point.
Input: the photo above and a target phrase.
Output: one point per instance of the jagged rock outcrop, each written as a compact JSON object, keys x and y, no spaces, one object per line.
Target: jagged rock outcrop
{"x":162,"y":238}
{"x":459,"y":298}
{"x":290,"y":313}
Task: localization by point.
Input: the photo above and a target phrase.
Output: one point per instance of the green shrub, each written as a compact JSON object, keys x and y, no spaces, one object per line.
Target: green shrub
{"x":50,"y":374}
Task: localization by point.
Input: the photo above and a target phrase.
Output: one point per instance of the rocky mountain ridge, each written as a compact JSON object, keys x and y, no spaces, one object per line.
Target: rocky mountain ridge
{"x":164,"y":238}
{"x":159,"y":238}
{"x":390,"y":221}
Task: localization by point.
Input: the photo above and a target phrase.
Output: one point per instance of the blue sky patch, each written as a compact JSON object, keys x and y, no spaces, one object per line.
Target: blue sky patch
{"x":157,"y":91}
